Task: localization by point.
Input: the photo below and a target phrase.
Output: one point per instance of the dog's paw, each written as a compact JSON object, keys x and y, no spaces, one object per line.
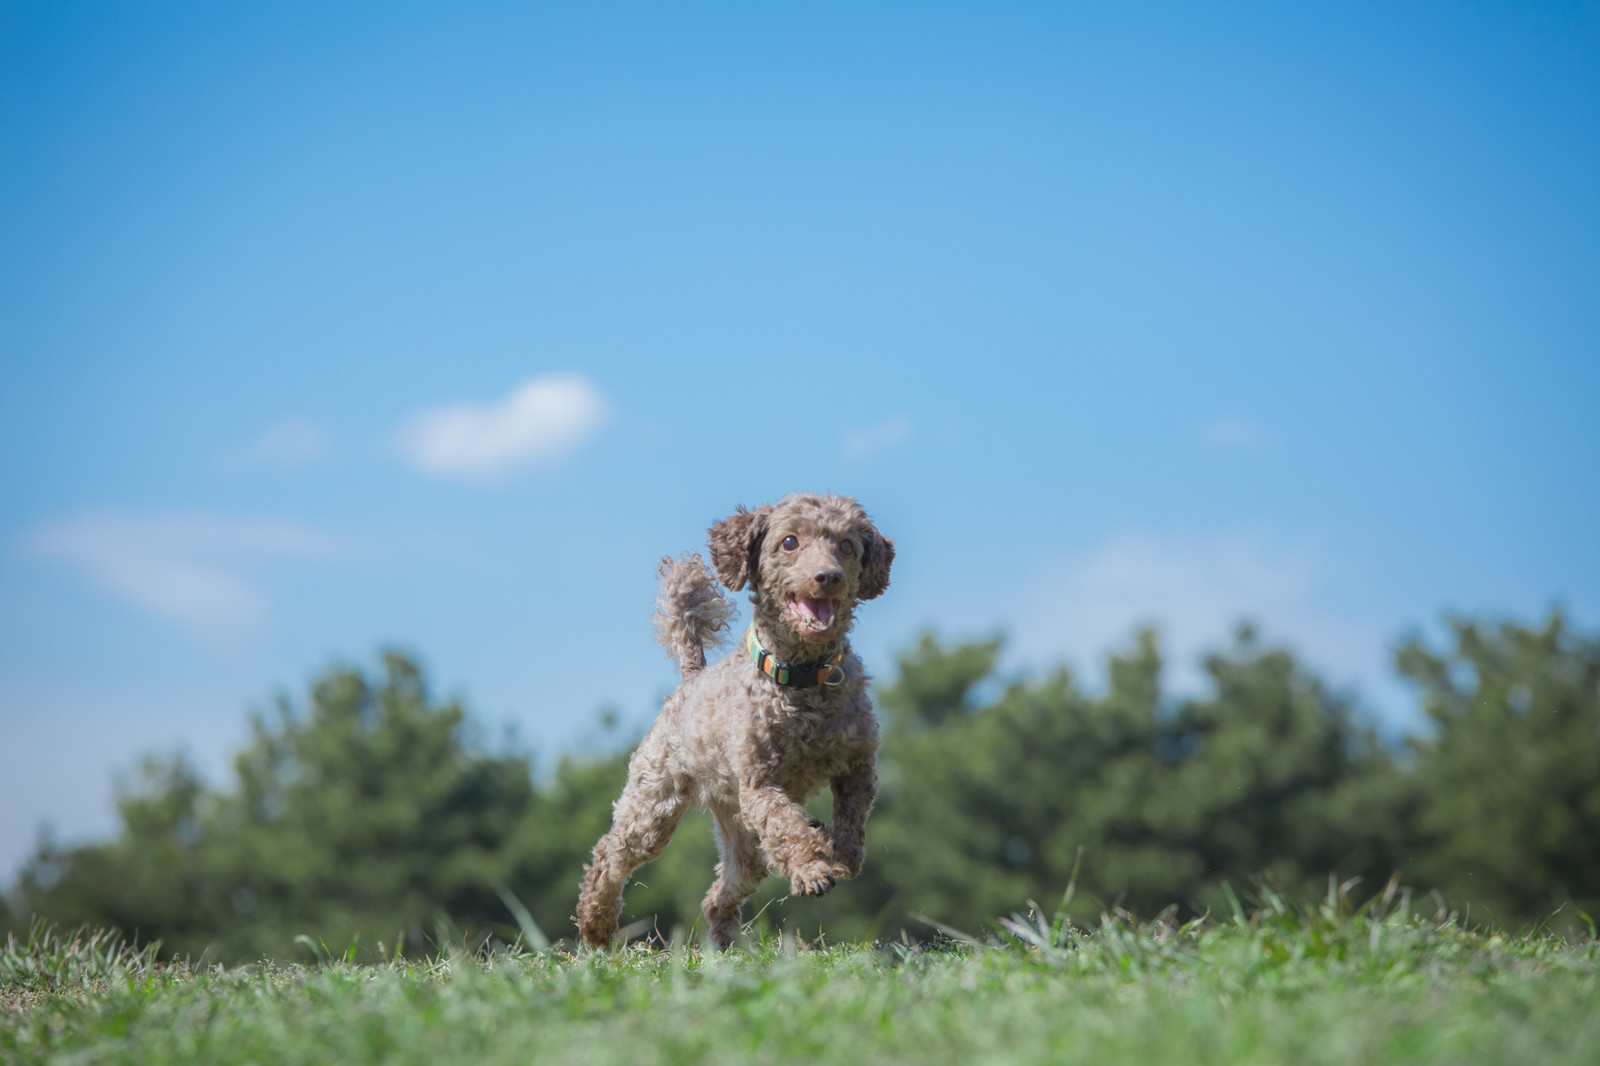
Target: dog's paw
{"x":849,"y":859}
{"x":815,"y":878}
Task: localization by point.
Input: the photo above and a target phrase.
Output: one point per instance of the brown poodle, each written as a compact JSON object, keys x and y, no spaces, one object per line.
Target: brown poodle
{"x":764,"y":729}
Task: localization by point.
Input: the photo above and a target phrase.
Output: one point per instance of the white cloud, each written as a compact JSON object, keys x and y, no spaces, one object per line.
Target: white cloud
{"x":294,"y":442}
{"x":541,"y":419}
{"x":862,"y":444}
{"x":1195,"y":592}
{"x":184,"y":568}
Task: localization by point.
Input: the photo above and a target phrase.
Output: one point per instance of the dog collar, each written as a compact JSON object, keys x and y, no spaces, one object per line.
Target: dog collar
{"x":802,"y":675}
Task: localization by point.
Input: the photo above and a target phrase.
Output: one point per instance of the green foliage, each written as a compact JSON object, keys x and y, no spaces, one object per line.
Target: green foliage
{"x":935,"y":683}
{"x":1163,"y":802}
{"x":1510,"y":778}
{"x":366,"y":818}
{"x":369,"y":820}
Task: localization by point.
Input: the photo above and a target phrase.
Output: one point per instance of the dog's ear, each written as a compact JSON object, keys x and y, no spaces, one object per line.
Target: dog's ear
{"x":877,"y":553}
{"x":735,"y":545}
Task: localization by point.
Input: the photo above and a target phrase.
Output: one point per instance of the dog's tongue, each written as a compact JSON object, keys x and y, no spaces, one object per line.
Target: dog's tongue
{"x":819,"y":611}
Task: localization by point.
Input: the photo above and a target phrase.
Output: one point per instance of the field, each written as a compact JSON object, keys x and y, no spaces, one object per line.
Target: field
{"x":1314,"y":984}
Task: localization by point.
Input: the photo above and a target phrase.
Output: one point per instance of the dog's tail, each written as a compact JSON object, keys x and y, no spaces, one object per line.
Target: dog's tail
{"x":691,"y":611}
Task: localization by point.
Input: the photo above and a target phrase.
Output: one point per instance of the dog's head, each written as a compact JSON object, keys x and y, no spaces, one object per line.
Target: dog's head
{"x":807,"y":559}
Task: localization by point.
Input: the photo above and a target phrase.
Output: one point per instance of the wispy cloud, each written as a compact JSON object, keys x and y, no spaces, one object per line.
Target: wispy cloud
{"x":1194,"y":591}
{"x":1232,"y":433}
{"x":862,"y":444}
{"x":540,"y":420}
{"x":292,"y":443}
{"x":187,"y":569}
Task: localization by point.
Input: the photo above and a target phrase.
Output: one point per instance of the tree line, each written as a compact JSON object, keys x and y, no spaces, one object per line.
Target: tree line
{"x":369,"y":816}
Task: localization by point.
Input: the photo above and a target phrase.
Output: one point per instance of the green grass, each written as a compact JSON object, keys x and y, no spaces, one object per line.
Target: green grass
{"x":1284,"y":985}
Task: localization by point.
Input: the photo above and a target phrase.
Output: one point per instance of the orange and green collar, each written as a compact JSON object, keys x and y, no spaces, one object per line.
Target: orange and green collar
{"x":804,"y":675}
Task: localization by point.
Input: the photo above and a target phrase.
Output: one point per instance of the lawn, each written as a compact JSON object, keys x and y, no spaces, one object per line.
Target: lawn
{"x":1312,"y":984}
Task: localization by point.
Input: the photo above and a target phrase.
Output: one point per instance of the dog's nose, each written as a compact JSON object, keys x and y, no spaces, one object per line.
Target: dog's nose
{"x":828,"y":580}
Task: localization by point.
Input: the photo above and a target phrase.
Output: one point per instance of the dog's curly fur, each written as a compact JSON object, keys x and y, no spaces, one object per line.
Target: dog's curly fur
{"x":733,"y":740}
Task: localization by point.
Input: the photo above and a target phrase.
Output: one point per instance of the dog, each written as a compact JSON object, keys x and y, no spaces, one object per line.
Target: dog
{"x":761,"y":731}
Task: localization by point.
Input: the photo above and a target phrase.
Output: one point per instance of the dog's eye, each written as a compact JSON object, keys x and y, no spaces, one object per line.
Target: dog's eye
{"x":847,"y":546}
{"x":790,"y":543}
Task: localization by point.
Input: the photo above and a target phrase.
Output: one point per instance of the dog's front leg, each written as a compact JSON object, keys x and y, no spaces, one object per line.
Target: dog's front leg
{"x":853,"y":793}
{"x":799,"y":849}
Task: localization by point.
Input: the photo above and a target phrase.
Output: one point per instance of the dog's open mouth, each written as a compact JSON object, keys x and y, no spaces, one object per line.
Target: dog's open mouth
{"x":813,"y":616}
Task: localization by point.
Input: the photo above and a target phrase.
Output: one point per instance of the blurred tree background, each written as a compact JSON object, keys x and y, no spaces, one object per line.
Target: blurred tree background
{"x":373,"y":817}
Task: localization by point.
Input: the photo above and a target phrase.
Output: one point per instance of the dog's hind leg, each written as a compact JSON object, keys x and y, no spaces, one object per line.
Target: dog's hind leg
{"x":739,"y":874}
{"x":641,"y":824}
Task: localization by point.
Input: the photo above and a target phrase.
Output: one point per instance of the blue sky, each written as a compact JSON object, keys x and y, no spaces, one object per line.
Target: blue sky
{"x":435,"y":327}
